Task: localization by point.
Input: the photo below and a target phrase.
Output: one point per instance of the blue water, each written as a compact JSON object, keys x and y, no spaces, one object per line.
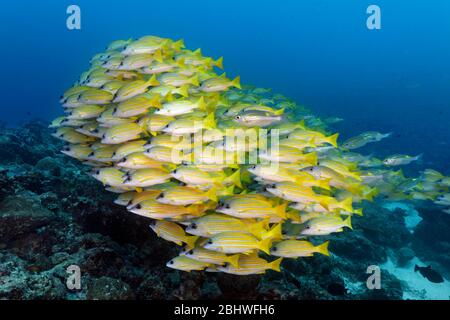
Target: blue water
{"x":320,"y":53}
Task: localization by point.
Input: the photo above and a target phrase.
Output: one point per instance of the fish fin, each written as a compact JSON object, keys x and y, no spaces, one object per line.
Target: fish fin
{"x":275,"y":265}
{"x":190,"y":241}
{"x":259,"y":228}
{"x":348,"y":222}
{"x":152,"y":82}
{"x":279,"y":112}
{"x":201,"y":103}
{"x":234,"y":179}
{"x":359,"y":212}
{"x":311,"y":158}
{"x":139,"y":190}
{"x":274,"y":233}
{"x":210,"y":121}
{"x":346,"y":204}
{"x":280,"y":210}
{"x":301,"y":124}
{"x":264,"y":245}
{"x":219,"y":63}
{"x":197,"y":52}
{"x":155,"y":101}
{"x":158,"y":56}
{"x":324,"y":184}
{"x":194,"y":80}
{"x":236,"y":82}
{"x":183,"y":91}
{"x":323,"y":248}
{"x":178,"y":45}
{"x":211,"y":194}
{"x":234,"y":260}
{"x":333,"y":139}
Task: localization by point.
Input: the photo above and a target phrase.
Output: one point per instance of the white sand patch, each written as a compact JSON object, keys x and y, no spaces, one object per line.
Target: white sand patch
{"x":412,"y":217}
{"x":419,"y":287}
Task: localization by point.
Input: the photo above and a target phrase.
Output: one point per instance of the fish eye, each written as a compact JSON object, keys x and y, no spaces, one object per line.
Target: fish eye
{"x":227,"y":206}
{"x":95,"y":131}
{"x":97,"y":172}
{"x":104,"y":136}
{"x":190,"y":252}
{"x":193,"y":226}
{"x":175,"y":171}
{"x":209,"y":242}
{"x":91,"y":154}
{"x":237,"y":117}
{"x":114,"y":154}
{"x":139,"y":206}
{"x":171,"y":262}
{"x":253,"y":167}
{"x":273,"y":249}
{"x":115,"y":110}
{"x":160,"y":196}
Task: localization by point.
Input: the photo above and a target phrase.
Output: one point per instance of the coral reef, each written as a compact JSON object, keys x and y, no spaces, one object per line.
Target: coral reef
{"x":53,"y":215}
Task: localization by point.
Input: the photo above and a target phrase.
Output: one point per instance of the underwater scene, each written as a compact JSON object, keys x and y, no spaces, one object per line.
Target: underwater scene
{"x":244,"y":150}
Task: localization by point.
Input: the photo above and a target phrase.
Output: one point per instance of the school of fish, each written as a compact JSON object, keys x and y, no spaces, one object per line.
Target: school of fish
{"x":239,"y":177}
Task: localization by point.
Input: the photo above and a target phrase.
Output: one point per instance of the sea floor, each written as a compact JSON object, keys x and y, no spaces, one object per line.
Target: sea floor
{"x":53,"y":215}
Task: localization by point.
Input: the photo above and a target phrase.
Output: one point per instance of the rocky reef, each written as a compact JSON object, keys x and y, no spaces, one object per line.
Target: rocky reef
{"x":53,"y":215}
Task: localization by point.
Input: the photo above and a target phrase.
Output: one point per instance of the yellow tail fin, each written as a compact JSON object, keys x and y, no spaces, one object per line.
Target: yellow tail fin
{"x":152,"y":82}
{"x":201,"y":103}
{"x":264,"y":245}
{"x":333,"y":140}
{"x":183,"y":91}
{"x":323,"y":248}
{"x":236,"y":82}
{"x":359,"y":212}
{"x":280,"y":210}
{"x":219,"y":63}
{"x":190,"y":241}
{"x":211,"y":194}
{"x":234,"y":179}
{"x":155,"y":101}
{"x":197,"y":52}
{"x":234,"y":260}
{"x":346,"y":204}
{"x":259,"y":228}
{"x":178,"y":45}
{"x":158,"y":56}
{"x":279,"y":112}
{"x":275,"y":265}
{"x":274,"y":234}
{"x":311,"y":158}
{"x":348,"y":222}
{"x":210,"y":121}
{"x":194,"y":81}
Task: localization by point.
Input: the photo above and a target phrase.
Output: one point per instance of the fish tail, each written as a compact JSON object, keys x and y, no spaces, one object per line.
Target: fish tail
{"x":197,"y":52}
{"x":158,"y":56}
{"x":194,"y":81}
{"x":259,"y":228}
{"x":324,"y":184}
{"x":155,"y":101}
{"x":235,"y":179}
{"x":201,"y":103}
{"x":152,"y":82}
{"x":416,"y":268}
{"x":219,"y":63}
{"x":323,"y":248}
{"x":333,"y":140}
{"x":274,"y":233}
{"x":234,"y":260}
{"x":211,"y":194}
{"x":275,"y":265}
{"x":348,"y":222}
{"x":311,"y":158}
{"x":183,"y":91}
{"x":178,"y":45}
{"x":190,"y":241}
{"x":280,"y":210}
{"x":279,"y":112}
{"x":210,"y":121}
{"x":236,"y":82}
{"x":359,"y":212}
{"x":264,"y":245}
{"x":346,"y":204}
